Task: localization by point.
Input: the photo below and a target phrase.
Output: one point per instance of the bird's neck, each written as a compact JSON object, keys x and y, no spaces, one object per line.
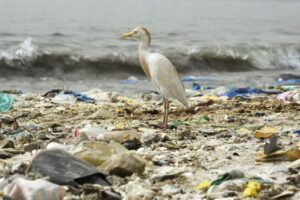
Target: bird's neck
{"x":144,"y":47}
{"x":143,"y":52}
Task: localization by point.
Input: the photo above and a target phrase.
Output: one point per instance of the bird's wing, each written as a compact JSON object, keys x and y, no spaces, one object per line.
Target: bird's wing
{"x":165,"y":77}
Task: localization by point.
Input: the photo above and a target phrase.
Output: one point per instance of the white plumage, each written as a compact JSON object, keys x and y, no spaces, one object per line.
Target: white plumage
{"x":159,"y":70}
{"x":165,"y":77}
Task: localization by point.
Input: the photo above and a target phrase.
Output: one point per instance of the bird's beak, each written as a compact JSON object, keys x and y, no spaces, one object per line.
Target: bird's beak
{"x":127,"y":35}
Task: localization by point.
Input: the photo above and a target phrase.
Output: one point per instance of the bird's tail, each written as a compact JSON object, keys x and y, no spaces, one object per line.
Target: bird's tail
{"x":184,"y":101}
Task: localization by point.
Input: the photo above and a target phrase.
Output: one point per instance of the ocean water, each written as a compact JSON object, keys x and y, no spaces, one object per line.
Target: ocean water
{"x":80,"y":40}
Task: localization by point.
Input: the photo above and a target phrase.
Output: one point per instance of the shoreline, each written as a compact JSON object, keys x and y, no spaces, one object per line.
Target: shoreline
{"x":132,"y":84}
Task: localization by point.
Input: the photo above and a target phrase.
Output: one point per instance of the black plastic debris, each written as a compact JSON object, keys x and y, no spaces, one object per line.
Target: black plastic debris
{"x":65,"y":169}
{"x":271,"y":145}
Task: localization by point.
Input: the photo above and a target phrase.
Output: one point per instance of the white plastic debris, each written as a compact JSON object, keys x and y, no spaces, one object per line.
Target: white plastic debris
{"x":23,"y":189}
{"x":290,"y":96}
{"x":101,"y":96}
{"x":169,"y":190}
{"x":93,"y":133}
{"x":136,"y":190}
{"x":55,"y":145}
{"x":64,"y":99}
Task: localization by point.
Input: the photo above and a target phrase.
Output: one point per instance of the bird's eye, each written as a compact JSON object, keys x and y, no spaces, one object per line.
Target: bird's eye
{"x":135,"y":32}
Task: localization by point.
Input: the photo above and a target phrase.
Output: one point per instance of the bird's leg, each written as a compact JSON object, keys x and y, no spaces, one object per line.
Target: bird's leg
{"x":165,"y":109}
{"x":166,"y":113}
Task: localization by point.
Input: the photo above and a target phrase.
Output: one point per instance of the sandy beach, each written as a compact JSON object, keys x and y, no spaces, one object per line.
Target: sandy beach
{"x":215,"y":135}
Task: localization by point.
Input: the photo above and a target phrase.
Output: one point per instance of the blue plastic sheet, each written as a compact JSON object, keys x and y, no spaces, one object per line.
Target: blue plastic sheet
{"x":246,"y":92}
{"x":79,"y":96}
{"x":241,"y":92}
{"x":288,"y":82}
{"x":6,"y":102}
{"x":130,"y":80}
{"x":195,"y":78}
{"x":297,"y":132}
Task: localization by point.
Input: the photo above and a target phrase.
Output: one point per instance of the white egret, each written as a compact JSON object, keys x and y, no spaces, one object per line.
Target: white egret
{"x":159,"y":70}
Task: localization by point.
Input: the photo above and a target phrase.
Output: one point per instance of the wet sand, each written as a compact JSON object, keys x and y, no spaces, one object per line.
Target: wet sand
{"x":113,"y":82}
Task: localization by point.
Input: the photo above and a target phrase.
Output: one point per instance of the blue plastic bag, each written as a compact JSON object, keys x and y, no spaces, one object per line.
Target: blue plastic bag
{"x":6,"y":102}
{"x":196,"y":87}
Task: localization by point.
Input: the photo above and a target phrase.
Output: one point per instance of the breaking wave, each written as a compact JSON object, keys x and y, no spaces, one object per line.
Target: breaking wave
{"x":27,"y":59}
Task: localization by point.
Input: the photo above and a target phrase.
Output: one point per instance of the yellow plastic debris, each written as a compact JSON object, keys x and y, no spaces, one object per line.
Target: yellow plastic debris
{"x":204,"y":185}
{"x":119,"y":110}
{"x":213,"y":98}
{"x":126,"y":99}
{"x":265,"y":133}
{"x":120,"y":126}
{"x":293,"y":154}
{"x":288,"y":155}
{"x":252,"y":189}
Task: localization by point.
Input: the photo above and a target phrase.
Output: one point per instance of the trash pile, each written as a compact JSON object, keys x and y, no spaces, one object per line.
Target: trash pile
{"x":231,"y":143}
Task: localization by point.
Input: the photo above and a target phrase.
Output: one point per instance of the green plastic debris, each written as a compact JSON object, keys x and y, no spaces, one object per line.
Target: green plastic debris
{"x":259,"y":179}
{"x":6,"y":102}
{"x":234,"y":174}
{"x":206,"y":118}
{"x":178,"y":122}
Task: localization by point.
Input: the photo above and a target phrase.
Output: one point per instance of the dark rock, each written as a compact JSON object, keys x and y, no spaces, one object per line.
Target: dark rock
{"x":235,"y":154}
{"x":271,"y":145}
{"x":132,"y":145}
{"x":208,"y":148}
{"x":168,"y":176}
{"x":52,"y":93}
{"x":5,"y":155}
{"x":7,"y":120}
{"x":8,"y":144}
{"x":32,"y":146}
